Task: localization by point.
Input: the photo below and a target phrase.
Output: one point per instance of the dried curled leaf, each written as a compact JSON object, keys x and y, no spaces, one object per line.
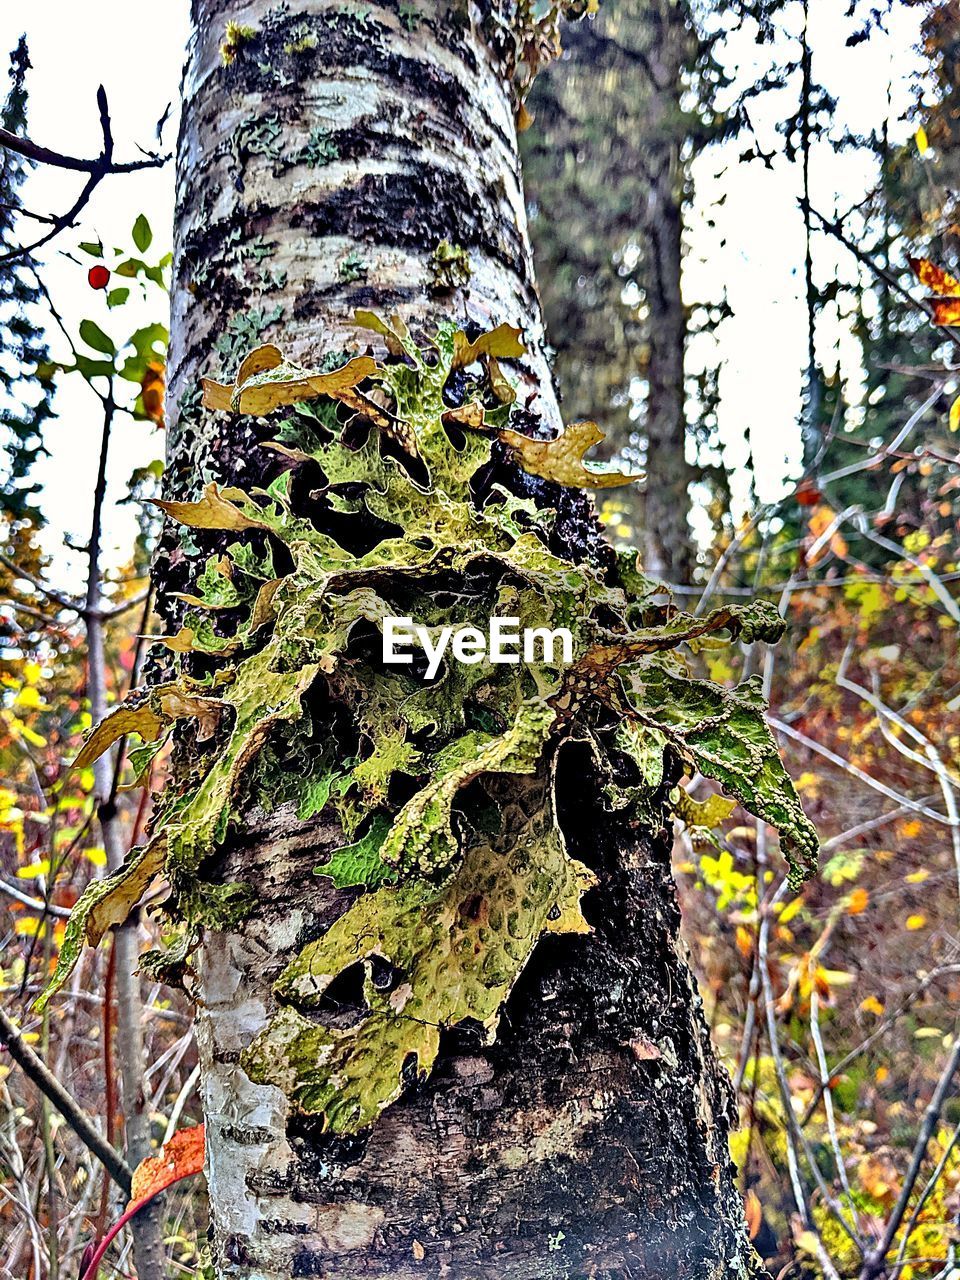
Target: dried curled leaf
{"x":394,"y":332}
{"x":103,"y":904}
{"x":267,"y":381}
{"x":215,"y":510}
{"x":142,"y":720}
{"x":561,"y":460}
{"x":759,"y":620}
{"x":503,"y":342}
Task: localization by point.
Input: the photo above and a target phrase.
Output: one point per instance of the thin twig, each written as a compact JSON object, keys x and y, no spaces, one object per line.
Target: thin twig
{"x":874,"y":1261}
{"x":96,"y":170}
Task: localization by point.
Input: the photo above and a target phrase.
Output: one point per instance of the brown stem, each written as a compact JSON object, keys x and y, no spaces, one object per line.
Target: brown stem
{"x":147,"y":1240}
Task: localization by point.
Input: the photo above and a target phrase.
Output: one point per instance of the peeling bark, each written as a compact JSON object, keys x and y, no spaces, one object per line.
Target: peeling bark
{"x":590,"y":1138}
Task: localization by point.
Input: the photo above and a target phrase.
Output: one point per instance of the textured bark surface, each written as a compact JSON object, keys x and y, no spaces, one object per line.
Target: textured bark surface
{"x":590,"y":1139}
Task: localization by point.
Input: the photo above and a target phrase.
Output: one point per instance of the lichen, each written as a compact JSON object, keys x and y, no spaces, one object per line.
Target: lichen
{"x":443,"y":788}
{"x":450,"y":267}
{"x":235,"y":37}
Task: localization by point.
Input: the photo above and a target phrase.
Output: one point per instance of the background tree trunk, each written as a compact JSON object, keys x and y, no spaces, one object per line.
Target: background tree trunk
{"x":607,"y":169}
{"x":318,"y":172}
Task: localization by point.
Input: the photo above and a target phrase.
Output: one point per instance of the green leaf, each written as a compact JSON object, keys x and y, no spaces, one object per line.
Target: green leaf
{"x":94,"y":337}
{"x":130,"y":267}
{"x":91,"y":368}
{"x":142,"y":235}
{"x":117,"y":297}
{"x":91,"y":247}
{"x":725,"y":734}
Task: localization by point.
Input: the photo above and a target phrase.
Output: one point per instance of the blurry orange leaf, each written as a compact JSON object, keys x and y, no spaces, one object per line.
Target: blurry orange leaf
{"x":753,"y":1212}
{"x":946,"y":311}
{"x":857,"y":902}
{"x":878,"y":1177}
{"x":935,"y":278}
{"x":872,"y":1005}
{"x":151,"y":392}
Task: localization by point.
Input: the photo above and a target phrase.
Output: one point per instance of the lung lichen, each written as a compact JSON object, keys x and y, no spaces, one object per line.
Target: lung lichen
{"x":392,"y":506}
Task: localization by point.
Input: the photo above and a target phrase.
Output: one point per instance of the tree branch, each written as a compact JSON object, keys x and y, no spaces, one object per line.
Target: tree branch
{"x":35,"y":1069}
{"x":96,"y":170}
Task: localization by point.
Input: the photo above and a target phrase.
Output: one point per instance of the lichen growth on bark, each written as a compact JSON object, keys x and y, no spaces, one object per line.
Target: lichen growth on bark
{"x":392,"y":506}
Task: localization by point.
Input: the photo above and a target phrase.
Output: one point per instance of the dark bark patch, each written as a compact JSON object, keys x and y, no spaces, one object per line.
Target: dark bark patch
{"x":414,"y":210}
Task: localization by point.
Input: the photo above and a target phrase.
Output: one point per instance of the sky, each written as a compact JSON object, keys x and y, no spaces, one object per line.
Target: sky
{"x":753,"y":248}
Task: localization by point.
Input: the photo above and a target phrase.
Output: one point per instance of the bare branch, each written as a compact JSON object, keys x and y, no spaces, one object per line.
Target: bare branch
{"x":35,"y":1069}
{"x":96,"y":170}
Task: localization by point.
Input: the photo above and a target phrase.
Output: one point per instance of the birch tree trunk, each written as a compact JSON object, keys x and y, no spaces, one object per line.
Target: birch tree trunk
{"x":319,"y":171}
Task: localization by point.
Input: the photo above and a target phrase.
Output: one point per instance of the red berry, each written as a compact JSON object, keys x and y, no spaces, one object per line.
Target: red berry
{"x":98,"y":277}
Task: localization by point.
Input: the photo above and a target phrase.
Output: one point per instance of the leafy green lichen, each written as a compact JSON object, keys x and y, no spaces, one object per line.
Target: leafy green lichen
{"x":443,"y":788}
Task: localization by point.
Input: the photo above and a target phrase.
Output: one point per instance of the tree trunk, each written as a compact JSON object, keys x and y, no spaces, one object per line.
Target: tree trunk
{"x":607,"y":167}
{"x":319,"y":170}
{"x":667,"y":544}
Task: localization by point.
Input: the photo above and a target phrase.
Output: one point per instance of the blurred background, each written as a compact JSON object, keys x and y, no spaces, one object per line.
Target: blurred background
{"x":725,"y":200}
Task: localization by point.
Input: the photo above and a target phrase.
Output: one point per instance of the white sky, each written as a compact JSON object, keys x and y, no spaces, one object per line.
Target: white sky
{"x":755,"y":247}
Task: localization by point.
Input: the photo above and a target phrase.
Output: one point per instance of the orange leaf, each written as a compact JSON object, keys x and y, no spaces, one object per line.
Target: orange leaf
{"x":935,"y":278}
{"x":857,"y":902}
{"x":946,"y":311}
{"x":753,"y":1212}
{"x":178,"y":1158}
